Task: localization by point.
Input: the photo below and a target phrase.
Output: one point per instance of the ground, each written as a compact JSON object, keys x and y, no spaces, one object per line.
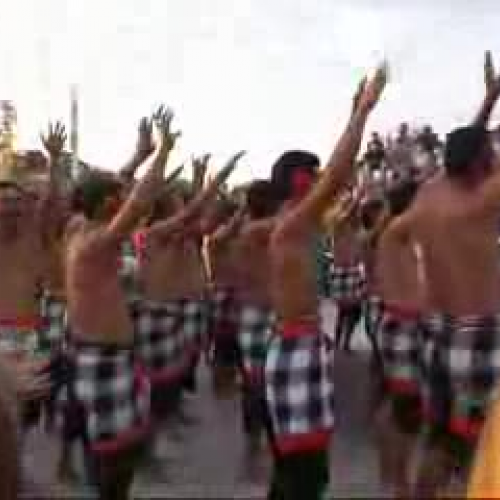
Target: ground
{"x":207,"y":459}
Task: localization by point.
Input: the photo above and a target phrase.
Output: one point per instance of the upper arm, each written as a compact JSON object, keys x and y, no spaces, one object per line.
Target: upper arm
{"x":333,"y":179}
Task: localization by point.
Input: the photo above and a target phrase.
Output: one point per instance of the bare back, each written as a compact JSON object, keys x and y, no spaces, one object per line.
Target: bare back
{"x":222,"y":257}
{"x":21,"y":269}
{"x":253,"y":262}
{"x":397,"y":275}
{"x":460,"y":249}
{"x":96,"y":303}
{"x":294,"y":284}
{"x":172,"y":268}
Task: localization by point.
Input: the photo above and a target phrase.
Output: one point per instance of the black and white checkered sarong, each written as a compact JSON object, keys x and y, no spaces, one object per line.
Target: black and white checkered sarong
{"x":194,"y":325}
{"x":158,"y":339}
{"x":299,"y":388}
{"x":401,"y":345}
{"x":107,"y":385}
{"x":347,"y":283}
{"x":461,"y":360}
{"x":256,"y":329}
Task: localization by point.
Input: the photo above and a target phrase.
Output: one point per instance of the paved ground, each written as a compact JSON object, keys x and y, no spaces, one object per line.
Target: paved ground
{"x":208,"y":459}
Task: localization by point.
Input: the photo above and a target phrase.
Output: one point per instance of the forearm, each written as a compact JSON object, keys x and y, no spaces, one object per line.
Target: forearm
{"x":483,"y":116}
{"x":140,"y":199}
{"x":127,"y":172}
{"x":339,"y":168}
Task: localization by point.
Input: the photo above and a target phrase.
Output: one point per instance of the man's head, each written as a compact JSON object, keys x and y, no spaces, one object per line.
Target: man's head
{"x":98,"y":195}
{"x":261,"y":200}
{"x":293,"y":175}
{"x":468,"y":153}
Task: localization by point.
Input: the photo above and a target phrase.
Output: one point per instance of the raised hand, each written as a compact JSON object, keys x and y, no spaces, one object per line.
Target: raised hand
{"x":357,"y":95}
{"x":491,"y":79}
{"x":372,"y":89}
{"x":174,"y":175}
{"x":227,"y":170}
{"x":145,"y":144}
{"x":200,"y":167}
{"x":163,"y":121}
{"x":55,"y":139}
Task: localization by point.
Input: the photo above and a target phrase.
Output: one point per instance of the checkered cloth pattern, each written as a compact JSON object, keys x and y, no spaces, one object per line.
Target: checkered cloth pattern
{"x":256,"y":328}
{"x":461,"y":366}
{"x":107,"y":385}
{"x":157,"y":338}
{"x":401,"y":344}
{"x":194,"y":325}
{"x":53,"y":312}
{"x":16,"y":339}
{"x":372,"y":312}
{"x":347,"y":284}
{"x":299,"y":387}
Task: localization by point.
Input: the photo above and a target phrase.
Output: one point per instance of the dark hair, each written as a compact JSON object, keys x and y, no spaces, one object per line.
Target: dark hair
{"x":92,"y":189}
{"x":285,"y":166}
{"x":464,"y":146}
{"x":401,"y":196}
{"x":261,"y":199}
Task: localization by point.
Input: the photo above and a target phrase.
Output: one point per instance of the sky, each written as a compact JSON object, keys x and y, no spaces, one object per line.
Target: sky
{"x":259,"y":75}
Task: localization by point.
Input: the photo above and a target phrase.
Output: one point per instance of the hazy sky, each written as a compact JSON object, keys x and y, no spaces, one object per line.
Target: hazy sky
{"x":261,"y":75}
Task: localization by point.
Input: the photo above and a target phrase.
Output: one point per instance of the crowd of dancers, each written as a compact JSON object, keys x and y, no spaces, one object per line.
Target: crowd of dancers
{"x":112,"y":293}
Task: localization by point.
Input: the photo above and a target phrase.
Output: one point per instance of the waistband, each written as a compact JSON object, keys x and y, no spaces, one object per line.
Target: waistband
{"x":252,"y":307}
{"x":312,"y":441}
{"x":102,"y":349}
{"x":299,"y":328}
{"x":402,"y":311}
{"x":466,"y":320}
{"x":23,"y":322}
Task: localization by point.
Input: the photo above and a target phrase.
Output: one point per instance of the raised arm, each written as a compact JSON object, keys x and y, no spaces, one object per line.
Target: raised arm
{"x":54,"y":143}
{"x":49,"y":213}
{"x":147,"y":188}
{"x":492,"y":92}
{"x":340,"y":166}
{"x":200,"y":166}
{"x":144,"y":148}
{"x":194,"y":208}
{"x":229,"y":230}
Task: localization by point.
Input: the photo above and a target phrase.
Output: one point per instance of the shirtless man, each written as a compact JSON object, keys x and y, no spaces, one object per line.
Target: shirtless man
{"x":256,"y":322}
{"x":111,"y":397}
{"x":455,"y":220}
{"x":401,"y":289}
{"x":53,"y":299}
{"x":223,"y":325}
{"x":23,"y":266}
{"x":298,"y":371}
{"x":348,"y":281}
{"x":374,"y":215}
{"x":168,"y":315}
